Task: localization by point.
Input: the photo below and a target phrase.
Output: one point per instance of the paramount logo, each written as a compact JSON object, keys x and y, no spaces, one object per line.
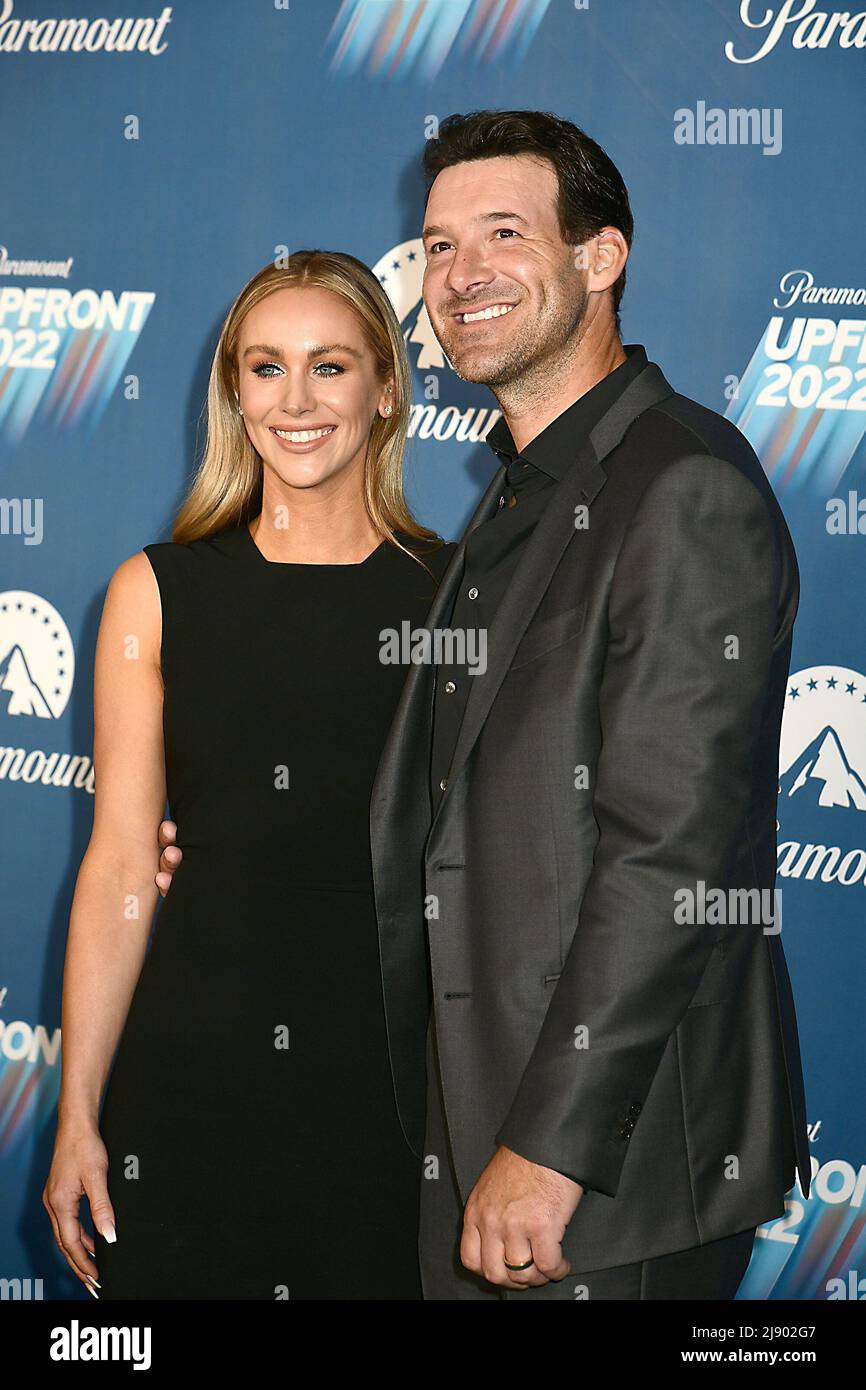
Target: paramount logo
{"x":468,"y":426}
{"x":823,"y":773}
{"x":43,"y":269}
{"x":141,"y":35}
{"x":799,"y":285}
{"x":807,"y":27}
{"x":797,"y":860}
{"x":49,"y":769}
{"x":822,"y":761}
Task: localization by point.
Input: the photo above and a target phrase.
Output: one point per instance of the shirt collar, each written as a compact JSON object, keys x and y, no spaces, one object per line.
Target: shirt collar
{"x":553,"y":449}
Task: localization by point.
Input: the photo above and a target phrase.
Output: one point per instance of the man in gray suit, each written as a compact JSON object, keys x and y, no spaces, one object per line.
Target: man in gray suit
{"x":615,"y":1095}
{"x":573,"y":858}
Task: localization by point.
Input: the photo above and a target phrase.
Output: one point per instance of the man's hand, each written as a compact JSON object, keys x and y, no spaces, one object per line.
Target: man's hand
{"x":170,"y":857}
{"x":518,"y":1211}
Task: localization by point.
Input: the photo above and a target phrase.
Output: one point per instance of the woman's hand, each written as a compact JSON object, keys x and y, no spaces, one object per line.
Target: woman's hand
{"x":170,"y":857}
{"x":79,"y":1167}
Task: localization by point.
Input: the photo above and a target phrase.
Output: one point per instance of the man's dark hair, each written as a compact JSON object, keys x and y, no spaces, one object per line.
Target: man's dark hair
{"x":592,"y":193}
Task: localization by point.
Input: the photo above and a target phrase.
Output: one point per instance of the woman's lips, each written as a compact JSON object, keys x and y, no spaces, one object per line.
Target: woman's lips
{"x":303,"y":441}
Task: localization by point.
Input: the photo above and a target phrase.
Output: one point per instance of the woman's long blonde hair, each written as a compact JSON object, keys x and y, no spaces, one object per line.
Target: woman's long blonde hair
{"x":227,"y":488}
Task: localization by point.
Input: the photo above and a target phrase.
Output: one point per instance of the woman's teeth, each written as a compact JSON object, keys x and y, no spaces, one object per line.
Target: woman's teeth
{"x":304,"y":436}
{"x":493,"y":313}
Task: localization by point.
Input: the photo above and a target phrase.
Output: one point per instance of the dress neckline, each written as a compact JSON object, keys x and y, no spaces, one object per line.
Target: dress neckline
{"x":248,"y":538}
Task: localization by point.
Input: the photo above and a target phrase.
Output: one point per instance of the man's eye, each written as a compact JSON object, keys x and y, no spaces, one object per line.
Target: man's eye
{"x":509,"y":231}
{"x":438,"y":243}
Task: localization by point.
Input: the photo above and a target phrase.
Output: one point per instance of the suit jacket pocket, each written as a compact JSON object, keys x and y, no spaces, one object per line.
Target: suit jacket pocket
{"x":549,"y":633}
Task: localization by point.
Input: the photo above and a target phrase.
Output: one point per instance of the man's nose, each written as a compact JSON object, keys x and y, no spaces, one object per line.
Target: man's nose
{"x":468,"y":272}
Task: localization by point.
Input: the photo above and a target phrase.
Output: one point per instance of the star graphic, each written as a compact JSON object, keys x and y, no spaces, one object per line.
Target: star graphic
{"x":794,"y":693}
{"x":832,"y":682}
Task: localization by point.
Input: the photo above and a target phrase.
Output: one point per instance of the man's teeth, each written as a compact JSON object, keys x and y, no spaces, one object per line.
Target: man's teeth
{"x":494,"y":313}
{"x":304,"y":436}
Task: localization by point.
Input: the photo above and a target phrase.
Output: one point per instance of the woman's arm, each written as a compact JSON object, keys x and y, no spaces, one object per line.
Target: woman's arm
{"x":114,"y":899}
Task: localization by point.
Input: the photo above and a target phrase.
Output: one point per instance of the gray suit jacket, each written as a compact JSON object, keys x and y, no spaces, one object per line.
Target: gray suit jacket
{"x":620,"y":750}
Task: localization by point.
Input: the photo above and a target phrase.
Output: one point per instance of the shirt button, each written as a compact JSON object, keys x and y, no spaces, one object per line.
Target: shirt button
{"x":502,"y":501}
{"x":473,"y":592}
{"x":444,"y":783}
{"x":450,"y":687}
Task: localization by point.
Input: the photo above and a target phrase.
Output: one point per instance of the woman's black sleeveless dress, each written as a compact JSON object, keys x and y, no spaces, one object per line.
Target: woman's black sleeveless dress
{"x":255,"y":1150}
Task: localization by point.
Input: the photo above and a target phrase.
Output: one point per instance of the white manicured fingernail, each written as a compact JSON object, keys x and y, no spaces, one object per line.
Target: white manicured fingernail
{"x":91,"y":1280}
{"x":109,"y":1234}
{"x":93,"y":1291}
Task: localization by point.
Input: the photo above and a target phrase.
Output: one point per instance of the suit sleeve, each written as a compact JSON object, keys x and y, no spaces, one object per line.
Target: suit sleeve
{"x":680,"y":718}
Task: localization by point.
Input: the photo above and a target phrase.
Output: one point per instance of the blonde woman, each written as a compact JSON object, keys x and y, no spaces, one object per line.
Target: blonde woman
{"x":249,"y":1144}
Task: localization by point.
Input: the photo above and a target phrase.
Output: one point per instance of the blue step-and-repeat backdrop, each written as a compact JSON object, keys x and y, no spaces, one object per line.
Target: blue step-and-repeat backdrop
{"x":153,"y":159}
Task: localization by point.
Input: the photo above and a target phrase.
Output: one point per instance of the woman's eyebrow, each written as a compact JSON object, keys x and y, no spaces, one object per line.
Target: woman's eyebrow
{"x":316,"y":351}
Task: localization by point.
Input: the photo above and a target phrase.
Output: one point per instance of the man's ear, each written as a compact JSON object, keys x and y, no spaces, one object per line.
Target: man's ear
{"x":605,"y":256}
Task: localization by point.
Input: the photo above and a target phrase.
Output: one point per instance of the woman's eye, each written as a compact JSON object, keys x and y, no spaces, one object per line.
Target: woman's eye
{"x":263,"y":369}
{"x":332,"y":368}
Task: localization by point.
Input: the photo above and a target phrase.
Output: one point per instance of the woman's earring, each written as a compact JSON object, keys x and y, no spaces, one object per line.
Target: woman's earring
{"x":387,"y":410}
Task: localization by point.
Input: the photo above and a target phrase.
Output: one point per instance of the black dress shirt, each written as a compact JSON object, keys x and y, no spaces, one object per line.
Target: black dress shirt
{"x":494,"y":547}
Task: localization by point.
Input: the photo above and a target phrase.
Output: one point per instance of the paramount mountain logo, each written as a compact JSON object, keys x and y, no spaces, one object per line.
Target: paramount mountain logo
{"x":25,"y":697}
{"x":823,"y":772}
{"x":37,"y":659}
{"x":401,"y":274}
{"x":37,"y":671}
{"x":822,"y":782}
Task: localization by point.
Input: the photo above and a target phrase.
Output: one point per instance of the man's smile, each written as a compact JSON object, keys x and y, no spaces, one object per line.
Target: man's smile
{"x":484,"y":314}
